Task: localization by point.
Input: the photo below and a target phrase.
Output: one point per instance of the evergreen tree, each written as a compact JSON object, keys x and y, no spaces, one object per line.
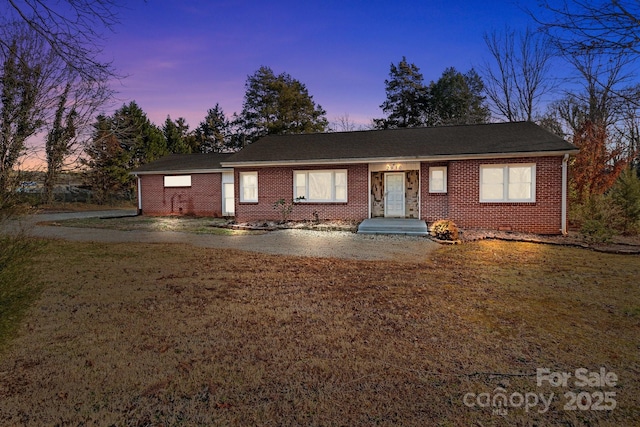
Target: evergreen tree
{"x":405,"y":97}
{"x":136,"y":134}
{"x":106,"y":162}
{"x":119,"y":144}
{"x":457,"y":99}
{"x":214,"y":132}
{"x":178,"y":138}
{"x":278,"y":104}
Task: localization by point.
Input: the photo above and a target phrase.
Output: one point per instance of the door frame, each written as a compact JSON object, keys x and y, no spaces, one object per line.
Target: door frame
{"x":386,"y":192}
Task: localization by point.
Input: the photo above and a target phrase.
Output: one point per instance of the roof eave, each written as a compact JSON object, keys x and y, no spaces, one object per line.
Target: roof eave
{"x":399,"y":159}
{"x":182,"y":171}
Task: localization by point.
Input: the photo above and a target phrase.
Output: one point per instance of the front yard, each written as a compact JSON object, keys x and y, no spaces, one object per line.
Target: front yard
{"x":165,"y":334}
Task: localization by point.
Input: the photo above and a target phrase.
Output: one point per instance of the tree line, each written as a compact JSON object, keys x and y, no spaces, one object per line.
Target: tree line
{"x":51,"y":83}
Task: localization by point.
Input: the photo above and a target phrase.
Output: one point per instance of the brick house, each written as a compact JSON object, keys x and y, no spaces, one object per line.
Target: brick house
{"x":186,"y":184}
{"x":499,"y":176}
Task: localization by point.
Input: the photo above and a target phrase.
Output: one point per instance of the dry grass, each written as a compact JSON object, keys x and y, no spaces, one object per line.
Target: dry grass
{"x":175,"y":335}
{"x":198,"y":225}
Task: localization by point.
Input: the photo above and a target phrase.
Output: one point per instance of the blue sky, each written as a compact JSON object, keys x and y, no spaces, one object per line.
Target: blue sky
{"x":183,"y":57}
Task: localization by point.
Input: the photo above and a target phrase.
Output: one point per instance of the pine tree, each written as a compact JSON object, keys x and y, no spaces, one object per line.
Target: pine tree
{"x":178,"y":138}
{"x":405,"y":97}
{"x":457,"y":99}
{"x":278,"y":104}
{"x":214,"y":132}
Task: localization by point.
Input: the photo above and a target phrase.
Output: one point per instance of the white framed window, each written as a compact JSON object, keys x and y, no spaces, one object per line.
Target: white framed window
{"x":248,"y":186}
{"x":320,"y":185}
{"x":438,"y":179}
{"x":177,"y":181}
{"x":508,"y":183}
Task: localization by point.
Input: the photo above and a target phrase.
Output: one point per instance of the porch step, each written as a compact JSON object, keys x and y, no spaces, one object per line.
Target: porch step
{"x":411,"y":227}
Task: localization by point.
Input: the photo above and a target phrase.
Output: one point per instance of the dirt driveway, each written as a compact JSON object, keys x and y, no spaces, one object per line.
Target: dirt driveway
{"x":334,"y":244}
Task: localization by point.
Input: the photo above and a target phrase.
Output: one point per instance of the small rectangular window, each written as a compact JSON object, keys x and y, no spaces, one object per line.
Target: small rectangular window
{"x":507,"y":183}
{"x":248,"y":186}
{"x":320,"y":186}
{"x":438,"y":179}
{"x":177,"y":181}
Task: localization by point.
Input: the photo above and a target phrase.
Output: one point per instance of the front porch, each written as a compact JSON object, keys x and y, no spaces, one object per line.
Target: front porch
{"x":410,"y":227}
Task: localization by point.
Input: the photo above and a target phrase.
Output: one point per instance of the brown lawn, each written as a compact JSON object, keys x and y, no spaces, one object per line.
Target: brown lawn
{"x":141,"y":335}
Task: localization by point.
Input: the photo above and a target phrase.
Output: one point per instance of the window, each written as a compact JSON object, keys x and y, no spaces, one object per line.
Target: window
{"x":248,"y":186}
{"x":438,"y":179}
{"x":507,"y":183}
{"x":320,"y":186}
{"x":177,"y":181}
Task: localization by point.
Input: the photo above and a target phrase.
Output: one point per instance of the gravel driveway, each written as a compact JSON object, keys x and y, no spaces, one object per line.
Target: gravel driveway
{"x":335,"y":244}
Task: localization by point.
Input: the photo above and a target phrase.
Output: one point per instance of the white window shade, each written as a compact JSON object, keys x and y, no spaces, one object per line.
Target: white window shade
{"x":520,"y":183}
{"x":492,"y":183}
{"x":507,"y":183}
{"x":320,"y":186}
{"x":438,"y":179}
{"x":177,"y":181}
{"x":248,"y":186}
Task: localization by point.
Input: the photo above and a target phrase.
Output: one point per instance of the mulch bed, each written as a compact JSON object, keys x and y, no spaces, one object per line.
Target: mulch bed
{"x":619,"y":245}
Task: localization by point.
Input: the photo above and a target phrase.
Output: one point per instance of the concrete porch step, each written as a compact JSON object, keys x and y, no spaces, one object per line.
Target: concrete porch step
{"x":411,"y":227}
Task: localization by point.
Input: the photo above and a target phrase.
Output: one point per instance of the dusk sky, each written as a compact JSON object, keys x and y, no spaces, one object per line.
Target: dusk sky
{"x":181,"y":58}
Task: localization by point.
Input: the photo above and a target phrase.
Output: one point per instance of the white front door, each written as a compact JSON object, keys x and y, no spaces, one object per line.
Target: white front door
{"x":394,"y":194}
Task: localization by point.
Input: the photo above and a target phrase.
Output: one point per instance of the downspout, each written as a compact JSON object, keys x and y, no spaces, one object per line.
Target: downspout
{"x":139,"y":195}
{"x":563,"y":227}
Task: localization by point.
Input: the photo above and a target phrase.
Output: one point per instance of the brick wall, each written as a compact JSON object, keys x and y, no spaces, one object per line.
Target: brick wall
{"x":203,"y":198}
{"x":277,"y":183}
{"x":462,"y":204}
{"x":433,"y":206}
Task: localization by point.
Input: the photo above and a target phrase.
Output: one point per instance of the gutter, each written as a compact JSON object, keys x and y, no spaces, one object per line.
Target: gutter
{"x":563,"y":215}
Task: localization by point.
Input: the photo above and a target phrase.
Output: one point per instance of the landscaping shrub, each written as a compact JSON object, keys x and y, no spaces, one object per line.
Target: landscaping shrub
{"x":598,"y":217}
{"x":602,"y":216}
{"x":444,"y":229}
{"x":625,"y":193}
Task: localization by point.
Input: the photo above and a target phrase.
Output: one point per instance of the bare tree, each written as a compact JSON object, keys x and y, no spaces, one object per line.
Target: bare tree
{"x":603,"y":90}
{"x":25,"y":68}
{"x":518,"y":79}
{"x":71,"y":28}
{"x":343,"y":124}
{"x":611,"y":26}
{"x":39,"y":93}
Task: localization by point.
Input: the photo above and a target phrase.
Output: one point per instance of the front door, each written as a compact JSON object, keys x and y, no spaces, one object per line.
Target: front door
{"x":394,"y":194}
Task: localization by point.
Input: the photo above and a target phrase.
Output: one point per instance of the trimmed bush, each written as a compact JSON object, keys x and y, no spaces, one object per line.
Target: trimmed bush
{"x":444,"y":229}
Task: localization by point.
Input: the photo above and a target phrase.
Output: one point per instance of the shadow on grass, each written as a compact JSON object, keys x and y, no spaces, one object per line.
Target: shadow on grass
{"x":18,"y":290}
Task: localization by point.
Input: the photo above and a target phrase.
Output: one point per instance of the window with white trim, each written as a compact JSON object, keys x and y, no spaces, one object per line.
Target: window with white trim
{"x":320,"y":186}
{"x":437,"y":179}
{"x":177,"y":181}
{"x":508,"y":183}
{"x":248,"y":186}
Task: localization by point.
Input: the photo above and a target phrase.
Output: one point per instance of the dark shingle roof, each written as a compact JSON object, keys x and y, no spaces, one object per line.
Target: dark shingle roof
{"x":176,"y":163}
{"x":405,"y":143}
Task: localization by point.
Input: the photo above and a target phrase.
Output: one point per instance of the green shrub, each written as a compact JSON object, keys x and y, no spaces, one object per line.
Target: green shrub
{"x":625,"y":193}
{"x":444,"y":229}
{"x":599,"y":217}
